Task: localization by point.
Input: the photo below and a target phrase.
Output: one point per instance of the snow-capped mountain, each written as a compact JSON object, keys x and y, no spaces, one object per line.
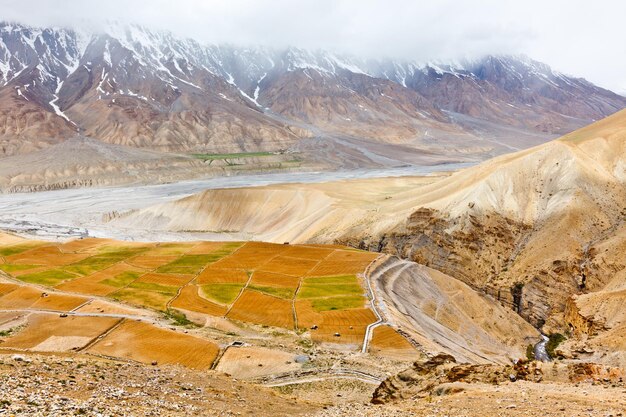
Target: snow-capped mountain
{"x":134,"y":86}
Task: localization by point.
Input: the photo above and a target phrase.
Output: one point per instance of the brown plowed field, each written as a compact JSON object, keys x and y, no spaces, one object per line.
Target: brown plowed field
{"x":289,"y":266}
{"x":352,"y":256}
{"x":42,"y":327}
{"x":170,"y":249}
{"x":213,"y":275}
{"x":344,"y":262}
{"x":259,"y":308}
{"x":59,"y":302}
{"x":6,"y":288}
{"x":176,"y":280}
{"x":275,"y":280}
{"x":338,"y":267}
{"x":100,"y":283}
{"x":87,"y":285}
{"x":307,"y":252}
{"x":20,"y":297}
{"x":83,"y":245}
{"x":46,"y":255}
{"x":350,"y":324}
{"x":150,"y":262}
{"x":388,"y":342}
{"x":145,"y":343}
{"x":32,"y":270}
{"x":206,"y":248}
{"x":251,"y":256}
{"x":189,"y":299}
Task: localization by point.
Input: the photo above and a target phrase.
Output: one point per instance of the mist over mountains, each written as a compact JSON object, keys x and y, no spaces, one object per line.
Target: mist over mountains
{"x":134,"y":86}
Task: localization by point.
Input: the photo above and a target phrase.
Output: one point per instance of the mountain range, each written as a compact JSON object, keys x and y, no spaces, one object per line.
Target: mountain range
{"x":129,"y":85}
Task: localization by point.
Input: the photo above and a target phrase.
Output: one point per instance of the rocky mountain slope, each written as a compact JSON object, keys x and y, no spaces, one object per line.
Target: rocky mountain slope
{"x":528,"y":227}
{"x":132,"y":86}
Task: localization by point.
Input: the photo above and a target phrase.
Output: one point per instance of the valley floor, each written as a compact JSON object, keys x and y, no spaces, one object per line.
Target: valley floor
{"x":79,"y":212}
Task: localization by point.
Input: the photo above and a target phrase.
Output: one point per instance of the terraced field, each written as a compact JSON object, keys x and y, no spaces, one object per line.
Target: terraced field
{"x":315,"y":289}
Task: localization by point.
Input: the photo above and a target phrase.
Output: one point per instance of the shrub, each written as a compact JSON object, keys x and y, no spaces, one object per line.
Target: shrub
{"x":530,"y":352}
{"x":554,"y":340}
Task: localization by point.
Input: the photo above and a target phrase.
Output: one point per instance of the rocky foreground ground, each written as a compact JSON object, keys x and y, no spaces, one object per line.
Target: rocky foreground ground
{"x":507,"y":400}
{"x":63,"y":386}
{"x":38,"y":385}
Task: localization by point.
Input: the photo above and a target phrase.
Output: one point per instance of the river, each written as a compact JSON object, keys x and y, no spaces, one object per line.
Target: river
{"x":78,"y":212}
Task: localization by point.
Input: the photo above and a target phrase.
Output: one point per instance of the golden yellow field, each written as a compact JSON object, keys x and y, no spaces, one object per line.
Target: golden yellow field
{"x":287,"y":286}
{"x":145,"y":343}
{"x":388,"y":342}
{"x":256,"y":307}
{"x":48,"y":332}
{"x":190,"y":300}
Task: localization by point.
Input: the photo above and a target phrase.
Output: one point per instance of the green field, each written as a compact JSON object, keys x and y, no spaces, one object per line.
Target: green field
{"x":319,"y":287}
{"x":122,"y":280}
{"x":214,"y":156}
{"x":16,"y":267}
{"x":222,"y":293}
{"x":152,"y":287}
{"x":280,"y":292}
{"x":50,"y":278}
{"x":188,"y":264}
{"x":104,"y":259}
{"x":15,"y":249}
{"x":338,"y":303}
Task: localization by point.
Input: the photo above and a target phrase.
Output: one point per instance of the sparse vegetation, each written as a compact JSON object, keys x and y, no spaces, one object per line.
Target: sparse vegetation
{"x":16,"y":267}
{"x":107,"y":258}
{"x":216,"y":156}
{"x":337,"y":303}
{"x":179,"y":318}
{"x":554,"y":340}
{"x":7,"y":332}
{"x":318,"y":287}
{"x":122,"y":280}
{"x":280,"y":292}
{"x":51,"y":277}
{"x":188,"y":264}
{"x":153,"y":287}
{"x":530,"y":352}
{"x":151,"y":299}
{"x":222,"y":293}
{"x":15,"y":249}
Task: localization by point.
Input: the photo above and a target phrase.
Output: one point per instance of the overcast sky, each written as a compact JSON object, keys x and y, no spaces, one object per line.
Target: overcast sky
{"x":582,"y":38}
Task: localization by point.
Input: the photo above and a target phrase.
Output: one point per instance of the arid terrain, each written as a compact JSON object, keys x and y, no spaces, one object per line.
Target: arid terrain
{"x":190,"y":225}
{"x":464,"y":264}
{"x":540,"y":230}
{"x":82,"y":313}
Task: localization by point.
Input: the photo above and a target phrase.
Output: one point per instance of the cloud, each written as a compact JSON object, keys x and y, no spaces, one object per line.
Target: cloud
{"x":577,"y":37}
